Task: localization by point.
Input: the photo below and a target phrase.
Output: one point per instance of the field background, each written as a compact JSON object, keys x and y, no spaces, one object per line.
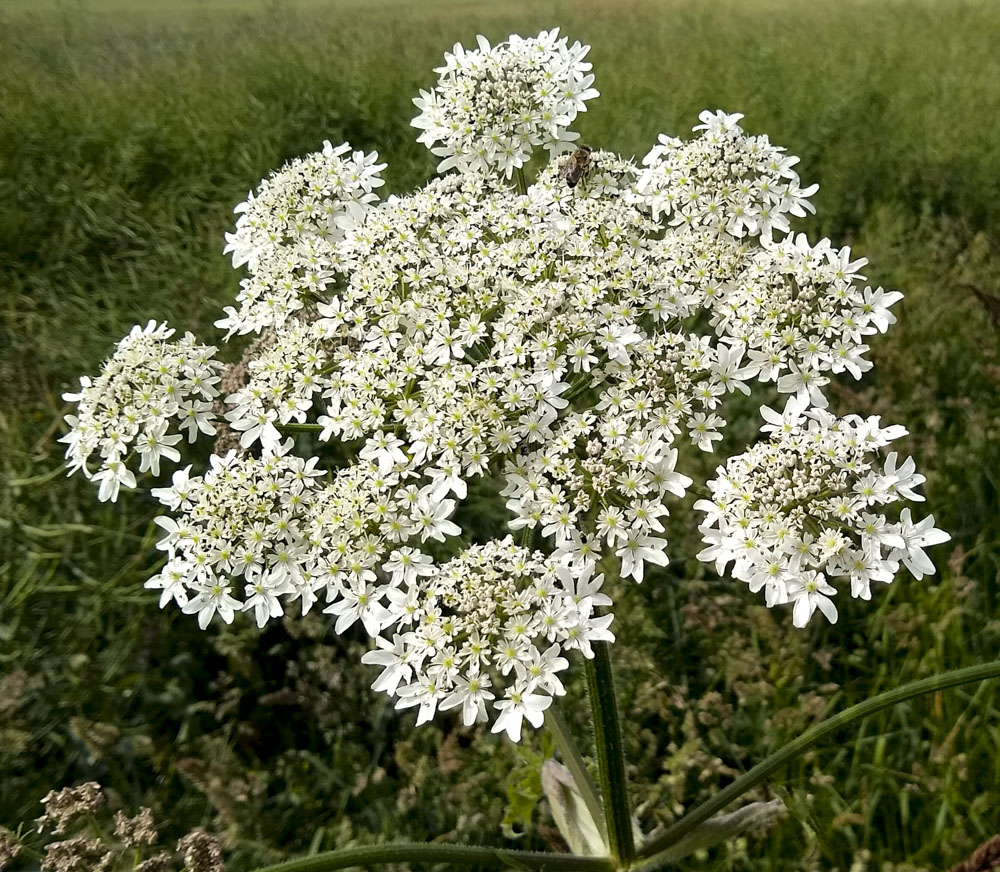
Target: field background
{"x":129,"y":129}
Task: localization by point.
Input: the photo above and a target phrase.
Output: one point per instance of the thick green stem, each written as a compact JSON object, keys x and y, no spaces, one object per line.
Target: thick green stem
{"x":610,"y":755}
{"x":762,"y":771}
{"x":522,"y":182}
{"x":453,"y":855}
{"x":574,"y":762}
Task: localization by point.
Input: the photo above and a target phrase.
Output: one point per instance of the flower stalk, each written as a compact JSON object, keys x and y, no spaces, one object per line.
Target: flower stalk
{"x":456,"y":856}
{"x":299,"y":428}
{"x":610,"y":756}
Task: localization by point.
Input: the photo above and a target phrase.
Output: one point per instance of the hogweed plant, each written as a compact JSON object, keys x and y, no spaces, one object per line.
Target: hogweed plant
{"x":564,"y":320}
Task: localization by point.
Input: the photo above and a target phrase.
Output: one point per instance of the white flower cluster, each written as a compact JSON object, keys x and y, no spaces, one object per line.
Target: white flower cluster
{"x":244,"y":521}
{"x":254,"y":534}
{"x":281,"y":382}
{"x":800,"y":312}
{"x":566,"y":339}
{"x":724,"y":179}
{"x":803,"y":508}
{"x":287,"y":233}
{"x":493,"y":621}
{"x":493,"y":105}
{"x":148,"y":390}
{"x":272,"y":525}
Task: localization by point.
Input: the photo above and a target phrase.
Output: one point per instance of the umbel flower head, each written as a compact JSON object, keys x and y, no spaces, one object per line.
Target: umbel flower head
{"x":570,"y":340}
{"x":287,"y":233}
{"x":492,"y":106}
{"x":724,"y":179}
{"x":490,"y":623}
{"x":148,"y":391}
{"x":804,"y":508}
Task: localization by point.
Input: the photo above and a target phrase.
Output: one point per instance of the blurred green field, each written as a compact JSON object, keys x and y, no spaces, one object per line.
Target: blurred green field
{"x":174,"y":11}
{"x":128,"y":130}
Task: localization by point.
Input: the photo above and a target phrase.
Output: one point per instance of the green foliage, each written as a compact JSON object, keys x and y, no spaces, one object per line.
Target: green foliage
{"x":124,"y":143}
{"x":524,"y":786}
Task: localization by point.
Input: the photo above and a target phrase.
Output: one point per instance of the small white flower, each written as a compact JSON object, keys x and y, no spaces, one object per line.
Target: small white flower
{"x":431,"y":519}
{"x":915,"y":538}
{"x":114,"y":475}
{"x":392,"y":657}
{"x":471,"y":693}
{"x":155,"y":443}
{"x":809,"y":592}
{"x":180,"y":492}
{"x":406,"y":565}
{"x":211,"y":599}
{"x":520,"y":705}
{"x":639,"y":549}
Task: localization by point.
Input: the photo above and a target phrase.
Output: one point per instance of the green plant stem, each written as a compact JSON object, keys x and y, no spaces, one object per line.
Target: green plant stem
{"x":453,"y":855}
{"x":797,"y":747}
{"x":574,"y":762}
{"x":522,"y":183}
{"x":299,"y":428}
{"x":610,"y":755}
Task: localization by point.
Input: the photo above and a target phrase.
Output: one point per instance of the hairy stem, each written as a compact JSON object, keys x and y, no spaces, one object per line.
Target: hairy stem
{"x":610,"y":755}
{"x":453,"y":855}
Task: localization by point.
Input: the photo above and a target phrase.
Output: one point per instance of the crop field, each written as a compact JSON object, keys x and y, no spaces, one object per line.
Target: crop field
{"x":129,"y":129}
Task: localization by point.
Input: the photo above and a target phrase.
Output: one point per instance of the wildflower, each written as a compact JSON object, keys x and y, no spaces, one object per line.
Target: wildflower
{"x":815,"y":472}
{"x":137,"y":831}
{"x":201,"y":852}
{"x":496,"y":618}
{"x":63,"y":807}
{"x":78,"y":854}
{"x":9,"y":848}
{"x":566,"y":340}
{"x":493,"y":104}
{"x":144,"y":388}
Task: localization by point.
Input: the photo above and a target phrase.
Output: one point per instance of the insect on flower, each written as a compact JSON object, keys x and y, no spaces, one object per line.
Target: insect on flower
{"x":579,"y":165}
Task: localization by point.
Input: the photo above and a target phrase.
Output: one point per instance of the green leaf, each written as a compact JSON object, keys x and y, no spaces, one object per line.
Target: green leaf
{"x":524,"y":788}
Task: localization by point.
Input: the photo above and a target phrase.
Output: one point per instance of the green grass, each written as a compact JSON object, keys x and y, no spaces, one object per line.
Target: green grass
{"x":127,"y":133}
